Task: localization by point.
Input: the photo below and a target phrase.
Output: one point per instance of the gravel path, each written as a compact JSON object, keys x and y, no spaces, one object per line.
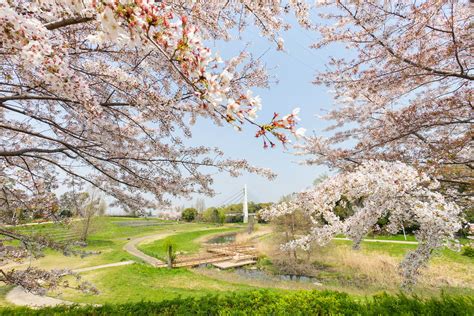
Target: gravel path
{"x":131,"y":248}
{"x":18,"y":296}
{"x":102,"y":266}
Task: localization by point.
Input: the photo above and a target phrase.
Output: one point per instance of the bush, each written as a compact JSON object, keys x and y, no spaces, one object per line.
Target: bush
{"x":170,"y":249}
{"x":468,"y":251}
{"x":189,"y":214}
{"x":213,"y":215}
{"x":273,"y":303}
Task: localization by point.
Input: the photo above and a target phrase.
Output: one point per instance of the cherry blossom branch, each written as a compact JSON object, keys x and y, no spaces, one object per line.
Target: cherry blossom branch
{"x":67,"y":22}
{"x":406,"y":60}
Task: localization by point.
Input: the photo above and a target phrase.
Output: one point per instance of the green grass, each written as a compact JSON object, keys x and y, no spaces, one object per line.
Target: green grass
{"x":185,"y":243}
{"x":108,"y":240}
{"x":4,"y":289}
{"x":141,"y":282}
{"x":146,"y":282}
{"x":392,"y":249}
{"x":400,"y":250}
{"x":399,"y":237}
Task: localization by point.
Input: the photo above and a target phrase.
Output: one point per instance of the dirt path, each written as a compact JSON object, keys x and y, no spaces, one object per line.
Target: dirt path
{"x":404,"y":242}
{"x":18,"y":296}
{"x":102,"y":266}
{"x":131,"y":248}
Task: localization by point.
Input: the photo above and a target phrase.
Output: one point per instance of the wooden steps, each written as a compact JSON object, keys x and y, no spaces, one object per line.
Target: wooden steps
{"x":223,"y":257}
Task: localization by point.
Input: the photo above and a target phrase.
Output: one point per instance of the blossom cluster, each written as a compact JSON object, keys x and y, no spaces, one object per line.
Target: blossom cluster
{"x":104,"y":93}
{"x":287,"y":122}
{"x":377,"y":189}
{"x":131,"y":24}
{"x":403,"y":91}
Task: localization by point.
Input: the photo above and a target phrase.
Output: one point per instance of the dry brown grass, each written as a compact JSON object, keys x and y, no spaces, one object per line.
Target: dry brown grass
{"x":366,"y":272}
{"x":452,"y":275}
{"x":378,"y":270}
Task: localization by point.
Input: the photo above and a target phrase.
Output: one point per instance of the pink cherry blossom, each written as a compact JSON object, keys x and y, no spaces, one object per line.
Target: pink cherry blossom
{"x":377,"y":189}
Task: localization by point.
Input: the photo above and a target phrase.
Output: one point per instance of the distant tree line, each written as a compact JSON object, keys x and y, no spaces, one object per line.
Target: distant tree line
{"x":232,"y":213}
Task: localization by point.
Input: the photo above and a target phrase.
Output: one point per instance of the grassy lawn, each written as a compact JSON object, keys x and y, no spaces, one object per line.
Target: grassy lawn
{"x":4,"y":289}
{"x":108,"y":239}
{"x":185,"y":243}
{"x":400,"y":250}
{"x":140,"y":282}
{"x":399,"y":237}
{"x":371,"y":270}
{"x":136,"y":282}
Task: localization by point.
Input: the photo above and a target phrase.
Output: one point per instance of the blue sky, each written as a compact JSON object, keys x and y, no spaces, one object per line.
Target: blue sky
{"x":294,"y":70}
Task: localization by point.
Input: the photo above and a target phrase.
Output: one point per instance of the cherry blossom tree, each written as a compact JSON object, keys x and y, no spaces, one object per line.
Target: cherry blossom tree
{"x":403,"y":88}
{"x":402,"y":127}
{"x":377,"y":189}
{"x":103,"y":93}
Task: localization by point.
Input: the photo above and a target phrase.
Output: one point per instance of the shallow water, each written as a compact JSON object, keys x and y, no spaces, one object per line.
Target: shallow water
{"x":222,"y":239}
{"x":265,"y":276}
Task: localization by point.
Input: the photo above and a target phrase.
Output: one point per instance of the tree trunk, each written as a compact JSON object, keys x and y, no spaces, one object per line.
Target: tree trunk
{"x":170,"y":257}
{"x":85,"y":231}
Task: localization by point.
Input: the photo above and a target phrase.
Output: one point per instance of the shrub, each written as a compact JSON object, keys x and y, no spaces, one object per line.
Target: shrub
{"x":468,"y":251}
{"x":273,"y":303}
{"x":189,"y":214}
{"x":170,"y":249}
{"x":214,"y":215}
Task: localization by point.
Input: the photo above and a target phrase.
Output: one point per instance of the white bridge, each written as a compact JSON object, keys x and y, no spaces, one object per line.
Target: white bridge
{"x":240,"y":196}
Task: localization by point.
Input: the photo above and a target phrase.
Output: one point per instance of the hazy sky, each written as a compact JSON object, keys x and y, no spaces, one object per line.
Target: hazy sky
{"x":294,"y":70}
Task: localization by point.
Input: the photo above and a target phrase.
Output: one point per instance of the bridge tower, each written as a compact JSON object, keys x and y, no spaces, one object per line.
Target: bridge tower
{"x":245,"y":206}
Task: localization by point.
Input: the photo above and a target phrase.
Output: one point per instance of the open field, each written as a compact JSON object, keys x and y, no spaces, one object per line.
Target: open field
{"x":141,"y":282}
{"x":108,"y":240}
{"x":184,"y":243}
{"x":369,"y":271}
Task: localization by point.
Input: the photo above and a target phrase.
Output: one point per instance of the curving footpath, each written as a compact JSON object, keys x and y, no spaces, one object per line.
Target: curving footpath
{"x":131,"y":248}
{"x":18,"y":295}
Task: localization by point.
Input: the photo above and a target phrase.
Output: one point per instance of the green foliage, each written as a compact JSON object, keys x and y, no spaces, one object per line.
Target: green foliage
{"x":232,"y":213}
{"x":189,"y":214}
{"x":70,"y":203}
{"x":273,"y":303}
{"x":343,"y":208}
{"x":170,"y":249}
{"x":214,"y":215}
{"x":469,"y":214}
{"x":468,"y":251}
